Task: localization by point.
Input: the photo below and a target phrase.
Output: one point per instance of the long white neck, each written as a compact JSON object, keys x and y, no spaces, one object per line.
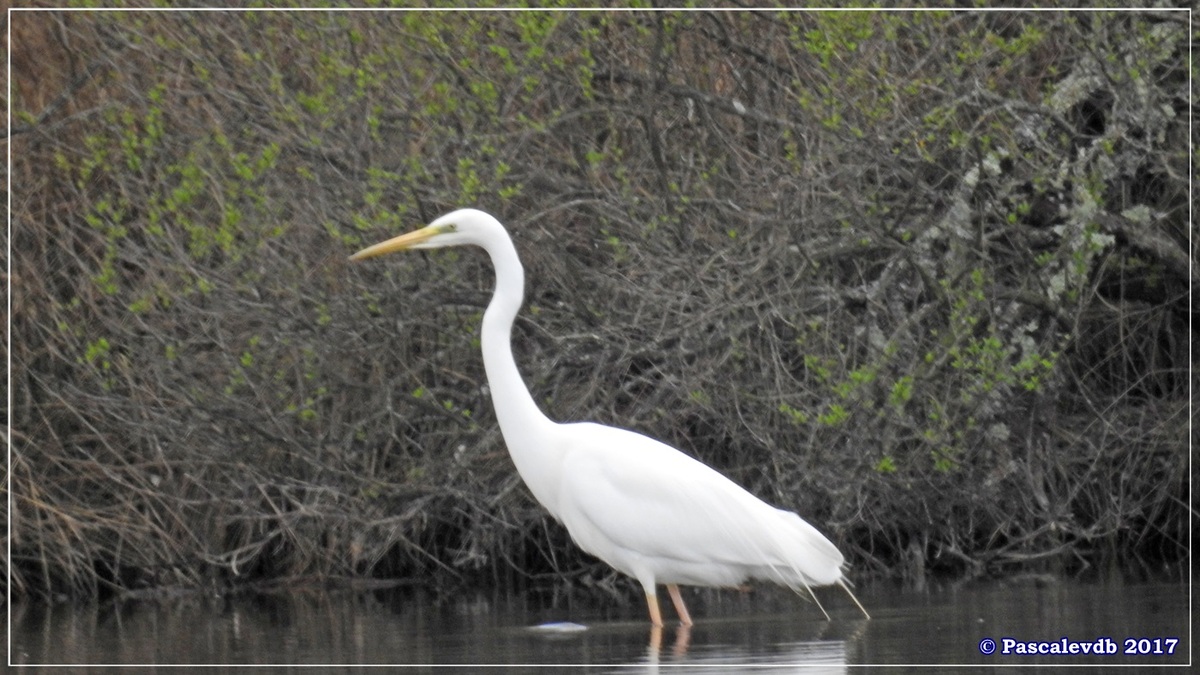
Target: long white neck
{"x":527,"y":432}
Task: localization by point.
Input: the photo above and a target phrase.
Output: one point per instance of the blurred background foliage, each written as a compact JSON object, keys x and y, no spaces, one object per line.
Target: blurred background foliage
{"x":923,"y":277}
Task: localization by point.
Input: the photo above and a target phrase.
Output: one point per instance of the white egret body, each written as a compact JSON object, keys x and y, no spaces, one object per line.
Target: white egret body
{"x":643,"y":507}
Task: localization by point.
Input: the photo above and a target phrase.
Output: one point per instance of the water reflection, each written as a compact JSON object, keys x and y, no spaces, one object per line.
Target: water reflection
{"x":729,"y":647}
{"x":943,"y":624}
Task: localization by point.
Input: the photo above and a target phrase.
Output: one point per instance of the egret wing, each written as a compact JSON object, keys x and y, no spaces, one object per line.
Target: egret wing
{"x":628,"y":496}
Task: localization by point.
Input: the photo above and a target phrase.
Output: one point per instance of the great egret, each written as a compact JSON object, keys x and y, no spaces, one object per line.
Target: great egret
{"x":641,"y":506}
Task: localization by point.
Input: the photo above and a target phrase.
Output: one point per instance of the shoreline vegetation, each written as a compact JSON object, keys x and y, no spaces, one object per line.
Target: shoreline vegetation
{"x":924,"y":278}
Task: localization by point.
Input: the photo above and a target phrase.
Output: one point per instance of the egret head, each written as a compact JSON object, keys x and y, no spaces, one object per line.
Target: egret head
{"x":457,"y":228}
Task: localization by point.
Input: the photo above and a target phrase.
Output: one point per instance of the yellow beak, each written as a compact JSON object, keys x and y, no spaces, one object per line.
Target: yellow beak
{"x":401,"y":243}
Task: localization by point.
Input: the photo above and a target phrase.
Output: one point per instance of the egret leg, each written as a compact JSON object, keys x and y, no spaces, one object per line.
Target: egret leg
{"x":655,"y":613}
{"x":680,"y":608}
{"x":683,"y":638}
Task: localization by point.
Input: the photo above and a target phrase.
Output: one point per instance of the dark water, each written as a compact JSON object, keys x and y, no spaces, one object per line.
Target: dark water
{"x":769,"y":628}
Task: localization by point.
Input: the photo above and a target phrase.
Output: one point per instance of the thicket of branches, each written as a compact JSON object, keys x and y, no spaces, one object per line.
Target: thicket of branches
{"x":924,"y":278}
